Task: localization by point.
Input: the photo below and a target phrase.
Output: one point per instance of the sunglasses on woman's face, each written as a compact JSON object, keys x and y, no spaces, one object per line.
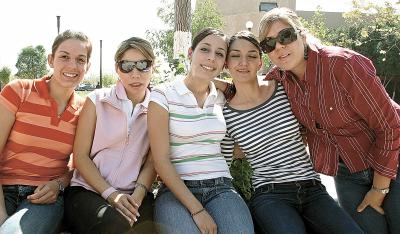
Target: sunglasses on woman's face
{"x":285,"y":36}
{"x":127,"y":66}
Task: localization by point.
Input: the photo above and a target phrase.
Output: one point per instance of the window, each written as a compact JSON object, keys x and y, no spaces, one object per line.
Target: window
{"x":267,"y":6}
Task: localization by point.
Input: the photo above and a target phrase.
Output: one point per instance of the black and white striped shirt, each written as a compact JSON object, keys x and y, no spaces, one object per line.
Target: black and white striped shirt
{"x":269,"y":136}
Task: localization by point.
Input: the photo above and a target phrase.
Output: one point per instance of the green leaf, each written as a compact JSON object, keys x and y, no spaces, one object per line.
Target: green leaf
{"x":242,"y":172}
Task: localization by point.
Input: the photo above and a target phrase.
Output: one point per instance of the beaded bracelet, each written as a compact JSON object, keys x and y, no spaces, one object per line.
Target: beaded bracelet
{"x":198,"y":212}
{"x":140,"y":185}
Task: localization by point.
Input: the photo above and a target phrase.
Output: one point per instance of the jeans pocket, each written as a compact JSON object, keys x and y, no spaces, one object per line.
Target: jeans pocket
{"x":264,"y":189}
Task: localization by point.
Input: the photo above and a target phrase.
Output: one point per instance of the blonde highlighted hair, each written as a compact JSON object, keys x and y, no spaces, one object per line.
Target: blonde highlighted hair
{"x":135,"y":43}
{"x":282,"y":14}
{"x":289,"y":17}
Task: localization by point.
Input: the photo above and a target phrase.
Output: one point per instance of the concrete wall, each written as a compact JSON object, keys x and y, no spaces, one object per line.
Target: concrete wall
{"x":237,"y":12}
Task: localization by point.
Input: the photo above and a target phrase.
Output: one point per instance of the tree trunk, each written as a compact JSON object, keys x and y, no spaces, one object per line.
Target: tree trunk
{"x":182,"y":34}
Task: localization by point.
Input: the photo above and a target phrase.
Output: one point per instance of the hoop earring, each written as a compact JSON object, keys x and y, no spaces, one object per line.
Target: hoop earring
{"x":305,"y":52}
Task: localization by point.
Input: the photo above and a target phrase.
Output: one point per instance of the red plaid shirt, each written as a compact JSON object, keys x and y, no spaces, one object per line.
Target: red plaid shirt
{"x":346,"y":111}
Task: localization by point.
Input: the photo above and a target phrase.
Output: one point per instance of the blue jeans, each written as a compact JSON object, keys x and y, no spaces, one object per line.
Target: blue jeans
{"x":218,"y":197}
{"x":25,"y":217}
{"x":299,"y":207}
{"x":351,"y":189}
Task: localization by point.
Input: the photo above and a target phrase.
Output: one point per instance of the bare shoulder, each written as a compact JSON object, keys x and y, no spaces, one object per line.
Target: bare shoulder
{"x":267,"y":87}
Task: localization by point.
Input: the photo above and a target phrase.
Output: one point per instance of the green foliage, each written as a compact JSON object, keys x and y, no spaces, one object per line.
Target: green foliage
{"x":241,"y":172}
{"x":179,"y":65}
{"x":83,"y":93}
{"x":317,"y":27}
{"x":5,"y":74}
{"x":163,"y":40}
{"x":206,"y":15}
{"x":371,"y":30}
{"x":266,"y":61}
{"x":374,"y":32}
{"x":32,"y":62}
{"x":107,"y":80}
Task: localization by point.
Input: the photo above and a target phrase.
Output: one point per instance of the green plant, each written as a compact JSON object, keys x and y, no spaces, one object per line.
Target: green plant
{"x":32,"y":62}
{"x":5,"y":74}
{"x":242,"y":172}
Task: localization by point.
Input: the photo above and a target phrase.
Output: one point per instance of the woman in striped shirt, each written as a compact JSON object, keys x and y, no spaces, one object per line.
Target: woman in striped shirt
{"x":38,"y":121}
{"x":353,"y":127}
{"x":186,"y":126}
{"x":288,"y":194}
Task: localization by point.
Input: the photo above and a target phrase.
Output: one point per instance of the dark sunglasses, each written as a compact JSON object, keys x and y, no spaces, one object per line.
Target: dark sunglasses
{"x":285,"y":36}
{"x":127,"y":66}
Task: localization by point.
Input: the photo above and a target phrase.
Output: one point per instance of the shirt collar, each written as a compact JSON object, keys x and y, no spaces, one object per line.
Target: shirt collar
{"x":182,"y":89}
{"x":43,"y":91}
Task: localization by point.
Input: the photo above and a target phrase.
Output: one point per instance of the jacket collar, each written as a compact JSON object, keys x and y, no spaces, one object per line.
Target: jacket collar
{"x":118,"y":95}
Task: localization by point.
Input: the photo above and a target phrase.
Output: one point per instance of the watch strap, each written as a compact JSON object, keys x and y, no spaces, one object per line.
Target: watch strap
{"x":383,"y":191}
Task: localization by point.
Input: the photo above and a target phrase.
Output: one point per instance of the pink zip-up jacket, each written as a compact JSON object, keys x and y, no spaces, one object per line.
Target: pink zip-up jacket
{"x":119,"y":149}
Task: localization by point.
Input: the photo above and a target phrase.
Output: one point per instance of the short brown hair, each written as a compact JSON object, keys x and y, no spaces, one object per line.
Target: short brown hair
{"x":69,"y":34}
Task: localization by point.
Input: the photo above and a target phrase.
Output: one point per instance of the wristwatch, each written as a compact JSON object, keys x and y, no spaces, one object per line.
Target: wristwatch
{"x":60,"y":185}
{"x":383,"y":191}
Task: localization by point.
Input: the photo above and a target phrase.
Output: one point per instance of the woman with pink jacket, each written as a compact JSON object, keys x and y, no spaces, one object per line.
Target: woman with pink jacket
{"x":111,"y":151}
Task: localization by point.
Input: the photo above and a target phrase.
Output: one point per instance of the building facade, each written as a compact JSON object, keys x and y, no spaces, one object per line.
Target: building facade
{"x":238,"y":13}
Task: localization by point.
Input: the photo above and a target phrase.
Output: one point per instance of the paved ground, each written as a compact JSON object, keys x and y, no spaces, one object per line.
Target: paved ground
{"x":330,"y":185}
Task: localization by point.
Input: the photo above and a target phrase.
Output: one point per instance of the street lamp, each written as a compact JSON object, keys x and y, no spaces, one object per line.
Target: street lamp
{"x":58,"y":24}
{"x":101,"y":64}
{"x":249,"y":25}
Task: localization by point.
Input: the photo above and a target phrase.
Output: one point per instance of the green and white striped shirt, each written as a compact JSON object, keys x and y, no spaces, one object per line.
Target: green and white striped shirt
{"x":195,"y":133}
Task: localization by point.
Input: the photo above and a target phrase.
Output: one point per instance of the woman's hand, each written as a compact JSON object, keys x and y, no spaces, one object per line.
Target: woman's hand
{"x":45,"y":194}
{"x":205,"y":223}
{"x":126,"y":205}
{"x":373,"y":199}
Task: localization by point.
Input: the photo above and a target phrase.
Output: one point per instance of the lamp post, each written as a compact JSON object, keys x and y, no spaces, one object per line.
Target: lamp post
{"x":101,"y":64}
{"x":58,"y":24}
{"x":249,"y":25}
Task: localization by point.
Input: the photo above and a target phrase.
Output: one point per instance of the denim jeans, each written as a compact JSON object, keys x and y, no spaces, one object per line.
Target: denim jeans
{"x":88,"y":212}
{"x":218,"y":197}
{"x":299,"y":207}
{"x":351,"y":189}
{"x":25,"y":217}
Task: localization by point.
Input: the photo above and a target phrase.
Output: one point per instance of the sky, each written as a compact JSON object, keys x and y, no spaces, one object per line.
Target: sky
{"x":26,"y":22}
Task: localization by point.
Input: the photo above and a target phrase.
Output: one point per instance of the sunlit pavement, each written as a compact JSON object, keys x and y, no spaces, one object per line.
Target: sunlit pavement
{"x":330,"y":185}
{"x":328,"y":182}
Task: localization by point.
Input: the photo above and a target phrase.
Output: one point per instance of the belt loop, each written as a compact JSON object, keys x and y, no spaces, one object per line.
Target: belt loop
{"x":272,"y":186}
